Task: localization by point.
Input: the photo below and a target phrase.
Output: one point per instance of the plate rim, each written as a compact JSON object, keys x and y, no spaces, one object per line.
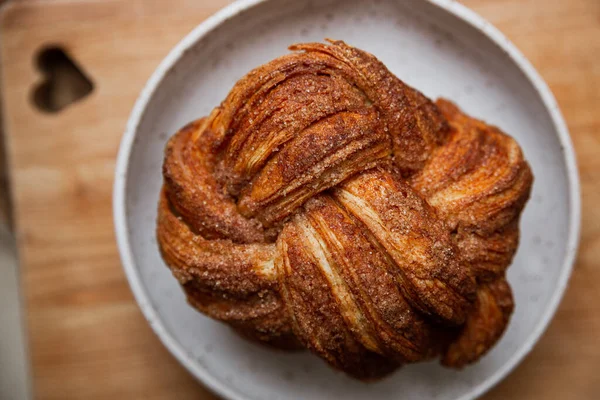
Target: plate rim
{"x":454,"y":8}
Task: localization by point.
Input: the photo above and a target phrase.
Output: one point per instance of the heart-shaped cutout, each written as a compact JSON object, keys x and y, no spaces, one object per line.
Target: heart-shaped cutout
{"x":64,"y":82}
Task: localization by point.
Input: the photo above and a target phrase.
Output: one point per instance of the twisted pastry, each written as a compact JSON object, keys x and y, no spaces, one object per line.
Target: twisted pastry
{"x":325,"y":204}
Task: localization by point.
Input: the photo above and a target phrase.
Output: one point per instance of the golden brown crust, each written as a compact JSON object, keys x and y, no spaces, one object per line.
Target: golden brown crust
{"x":414,"y":123}
{"x":485,"y":324}
{"x":320,"y":157}
{"x":322,"y":313}
{"x":479,"y":183}
{"x":325,"y":204}
{"x":195,"y":193}
{"x":423,"y":257}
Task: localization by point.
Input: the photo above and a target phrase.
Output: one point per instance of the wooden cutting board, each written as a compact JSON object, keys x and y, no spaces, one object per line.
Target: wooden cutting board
{"x":87,"y":337}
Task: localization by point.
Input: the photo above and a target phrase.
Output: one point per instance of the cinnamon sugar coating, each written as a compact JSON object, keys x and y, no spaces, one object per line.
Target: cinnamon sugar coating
{"x":327,"y":205}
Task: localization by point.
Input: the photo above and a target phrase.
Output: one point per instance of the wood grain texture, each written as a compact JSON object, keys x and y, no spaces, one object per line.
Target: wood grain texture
{"x":87,"y":337}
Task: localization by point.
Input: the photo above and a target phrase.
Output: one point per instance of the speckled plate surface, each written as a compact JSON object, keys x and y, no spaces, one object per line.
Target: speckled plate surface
{"x":439,"y":47}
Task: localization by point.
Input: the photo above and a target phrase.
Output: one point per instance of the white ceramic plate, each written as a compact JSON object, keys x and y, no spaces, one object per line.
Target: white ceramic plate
{"x":439,"y":47}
